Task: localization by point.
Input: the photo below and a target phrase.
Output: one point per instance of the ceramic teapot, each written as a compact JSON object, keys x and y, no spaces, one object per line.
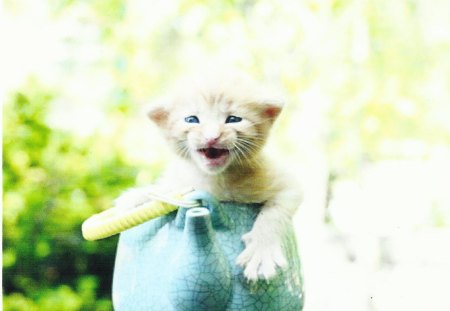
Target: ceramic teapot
{"x":185,"y":260}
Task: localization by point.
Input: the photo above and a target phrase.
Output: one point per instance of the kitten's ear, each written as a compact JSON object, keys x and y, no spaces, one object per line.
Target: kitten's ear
{"x":158,"y":114}
{"x":271,"y":109}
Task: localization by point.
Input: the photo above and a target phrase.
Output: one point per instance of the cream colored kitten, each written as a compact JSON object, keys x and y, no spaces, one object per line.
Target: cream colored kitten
{"x":217,"y":129}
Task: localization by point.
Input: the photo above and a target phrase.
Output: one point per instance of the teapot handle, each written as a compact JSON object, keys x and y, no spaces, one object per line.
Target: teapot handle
{"x":117,"y":219}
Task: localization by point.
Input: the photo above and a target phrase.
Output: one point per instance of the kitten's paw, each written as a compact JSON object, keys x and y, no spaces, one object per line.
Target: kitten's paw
{"x":132,"y":198}
{"x":261,"y":257}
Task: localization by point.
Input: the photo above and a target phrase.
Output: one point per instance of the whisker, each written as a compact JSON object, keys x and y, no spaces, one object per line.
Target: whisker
{"x":255,"y":136}
{"x":250,"y":145}
{"x":245,"y":148}
{"x":182,"y":149}
{"x":248,"y":141}
{"x":239,"y":154}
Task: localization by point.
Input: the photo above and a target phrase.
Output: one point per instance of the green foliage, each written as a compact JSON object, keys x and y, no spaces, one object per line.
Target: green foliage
{"x":52,"y":182}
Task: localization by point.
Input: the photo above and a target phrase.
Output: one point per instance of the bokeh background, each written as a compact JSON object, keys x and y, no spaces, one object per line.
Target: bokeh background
{"x":367,"y":128}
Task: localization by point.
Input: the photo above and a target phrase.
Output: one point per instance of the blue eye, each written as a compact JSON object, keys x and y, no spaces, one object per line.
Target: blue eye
{"x":192,"y":119}
{"x":233,"y":119}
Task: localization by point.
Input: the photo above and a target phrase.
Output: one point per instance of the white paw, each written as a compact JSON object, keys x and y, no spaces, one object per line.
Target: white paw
{"x":132,"y":198}
{"x":261,"y":256}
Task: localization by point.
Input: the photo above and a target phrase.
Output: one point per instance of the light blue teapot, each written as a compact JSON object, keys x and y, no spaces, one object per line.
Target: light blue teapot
{"x":185,"y":260}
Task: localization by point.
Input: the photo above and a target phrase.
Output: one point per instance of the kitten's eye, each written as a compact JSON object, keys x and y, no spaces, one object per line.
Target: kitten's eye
{"x":192,"y":119}
{"x":233,"y":119}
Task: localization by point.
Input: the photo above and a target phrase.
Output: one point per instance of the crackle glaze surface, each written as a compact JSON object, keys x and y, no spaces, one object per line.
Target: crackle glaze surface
{"x":186,"y":261}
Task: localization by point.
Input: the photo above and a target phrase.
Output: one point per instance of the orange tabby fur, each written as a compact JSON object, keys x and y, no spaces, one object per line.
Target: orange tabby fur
{"x":241,"y":174}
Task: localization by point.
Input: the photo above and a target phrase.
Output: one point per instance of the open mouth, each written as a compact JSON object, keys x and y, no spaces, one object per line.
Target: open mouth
{"x":215,"y":157}
{"x":213,"y":153}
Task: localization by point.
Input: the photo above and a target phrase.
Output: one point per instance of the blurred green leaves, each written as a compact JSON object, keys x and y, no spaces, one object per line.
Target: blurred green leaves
{"x":52,"y":182}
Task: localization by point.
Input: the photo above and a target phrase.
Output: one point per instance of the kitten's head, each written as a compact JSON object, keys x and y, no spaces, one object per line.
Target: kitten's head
{"x":217,"y":123}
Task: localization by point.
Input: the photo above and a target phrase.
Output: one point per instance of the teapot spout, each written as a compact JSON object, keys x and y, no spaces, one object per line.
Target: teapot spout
{"x":218,"y":218}
{"x":198,"y":226}
{"x":202,"y":276}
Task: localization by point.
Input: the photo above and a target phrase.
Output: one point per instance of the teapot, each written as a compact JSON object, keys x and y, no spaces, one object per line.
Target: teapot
{"x":185,"y":260}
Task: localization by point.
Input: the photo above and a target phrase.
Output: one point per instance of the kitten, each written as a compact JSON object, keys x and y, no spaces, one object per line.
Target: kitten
{"x":217,"y":130}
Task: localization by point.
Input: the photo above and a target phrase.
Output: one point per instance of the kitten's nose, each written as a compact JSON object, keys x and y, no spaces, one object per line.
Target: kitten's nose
{"x":210,"y":142}
{"x":211,"y":135}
